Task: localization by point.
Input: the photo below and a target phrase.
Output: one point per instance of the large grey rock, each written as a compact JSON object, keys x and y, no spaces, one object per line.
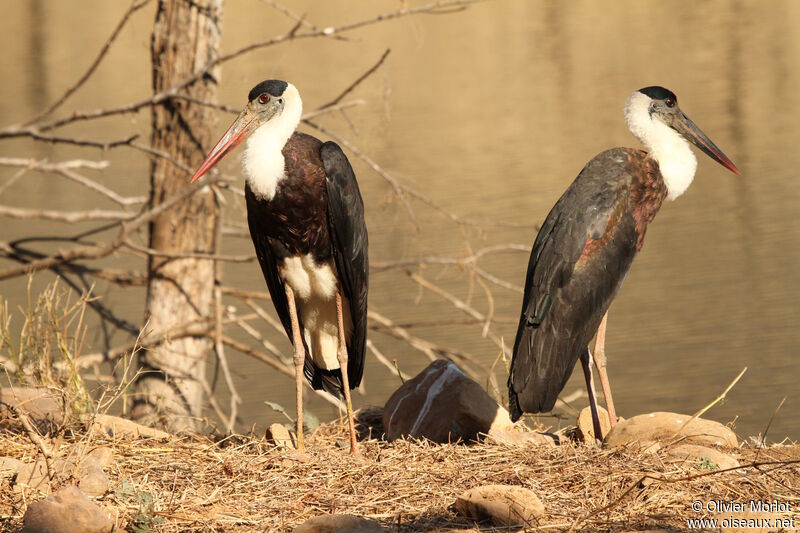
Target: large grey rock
{"x":665,"y":427}
{"x":442,"y":404}
{"x":44,"y":407}
{"x":338,"y":523}
{"x":505,"y":505}
{"x":66,"y":511}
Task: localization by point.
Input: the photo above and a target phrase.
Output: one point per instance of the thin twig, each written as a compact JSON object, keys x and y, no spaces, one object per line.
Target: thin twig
{"x":357,"y":82}
{"x":219,"y":347}
{"x":35,"y":438}
{"x":135,"y":6}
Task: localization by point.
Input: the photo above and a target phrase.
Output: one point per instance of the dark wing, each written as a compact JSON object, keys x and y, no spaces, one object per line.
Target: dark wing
{"x":579,"y":258}
{"x":269,"y":268}
{"x":349,"y":237}
{"x":277,"y":291}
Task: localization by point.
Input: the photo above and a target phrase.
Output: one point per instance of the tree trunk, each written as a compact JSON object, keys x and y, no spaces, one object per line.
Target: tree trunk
{"x":169,"y":392}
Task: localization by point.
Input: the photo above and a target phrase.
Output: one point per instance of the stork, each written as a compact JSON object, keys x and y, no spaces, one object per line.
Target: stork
{"x":586,"y":245}
{"x":306,"y":219}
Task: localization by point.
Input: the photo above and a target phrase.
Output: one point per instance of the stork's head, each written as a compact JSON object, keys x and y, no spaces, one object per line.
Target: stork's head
{"x":273,"y":110}
{"x":653,"y":116}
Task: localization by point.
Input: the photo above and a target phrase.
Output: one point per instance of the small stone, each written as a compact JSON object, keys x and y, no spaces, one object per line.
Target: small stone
{"x":505,"y":505}
{"x":9,"y":466}
{"x":586,"y":425}
{"x":34,"y":476}
{"x":522,"y":438}
{"x":666,"y":427}
{"x":91,"y":478}
{"x":43,"y":406}
{"x":443,"y":405}
{"x":103,"y":454}
{"x":700,"y":457}
{"x":66,"y":511}
{"x":114,"y":426}
{"x":338,"y":523}
{"x":278,"y":435}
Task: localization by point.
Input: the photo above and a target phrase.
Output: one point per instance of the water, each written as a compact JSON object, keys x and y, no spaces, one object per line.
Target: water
{"x":490,"y":113}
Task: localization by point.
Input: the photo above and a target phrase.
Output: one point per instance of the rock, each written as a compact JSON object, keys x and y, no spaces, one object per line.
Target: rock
{"x":9,"y":466}
{"x":91,"y":478}
{"x":66,"y":511}
{"x":278,"y":435}
{"x":338,"y":523}
{"x":505,"y":505}
{"x":103,"y":454}
{"x":89,"y":474}
{"x":522,"y":438}
{"x":442,"y":404}
{"x":700,"y":457}
{"x":34,"y":476}
{"x":44,"y":407}
{"x":586,"y":426}
{"x":663,"y":427}
{"x":369,"y":422}
{"x":114,"y":426}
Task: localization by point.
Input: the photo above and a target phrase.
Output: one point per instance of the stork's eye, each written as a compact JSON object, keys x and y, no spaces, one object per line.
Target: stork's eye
{"x":670,"y":102}
{"x":264,"y":98}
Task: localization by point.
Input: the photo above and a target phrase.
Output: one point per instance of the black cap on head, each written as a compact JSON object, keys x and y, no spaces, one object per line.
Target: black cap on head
{"x":271,"y":87}
{"x":658,"y":93}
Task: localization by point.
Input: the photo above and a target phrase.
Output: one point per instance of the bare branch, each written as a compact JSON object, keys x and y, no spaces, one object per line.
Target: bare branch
{"x":188,"y":255}
{"x":135,"y":6}
{"x":357,"y":82}
{"x":158,"y":98}
{"x":64,"y":216}
{"x":35,"y":438}
{"x":399,"y":190}
{"x":219,"y":348}
{"x":97,"y":252}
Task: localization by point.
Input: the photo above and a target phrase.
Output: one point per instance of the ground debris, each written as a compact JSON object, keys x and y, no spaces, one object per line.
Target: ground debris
{"x":244,"y":483}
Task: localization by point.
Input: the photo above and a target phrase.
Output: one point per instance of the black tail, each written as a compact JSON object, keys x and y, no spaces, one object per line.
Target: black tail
{"x":539,"y":371}
{"x":327,"y":380}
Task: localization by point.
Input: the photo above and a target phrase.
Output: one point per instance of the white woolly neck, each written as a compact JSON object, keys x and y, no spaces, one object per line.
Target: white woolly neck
{"x":263,"y":163}
{"x":665,"y":145}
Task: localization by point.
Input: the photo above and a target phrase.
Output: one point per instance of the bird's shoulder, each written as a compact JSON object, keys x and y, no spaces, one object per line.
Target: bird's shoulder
{"x":590,"y":213}
{"x":593,"y":204}
{"x":302,"y":157}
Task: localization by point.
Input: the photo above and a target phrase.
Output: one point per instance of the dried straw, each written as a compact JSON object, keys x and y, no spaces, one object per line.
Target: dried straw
{"x":243,"y":483}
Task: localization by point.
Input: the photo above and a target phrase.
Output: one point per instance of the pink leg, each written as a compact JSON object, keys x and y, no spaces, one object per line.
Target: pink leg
{"x":600,"y":362}
{"x":342,"y":356}
{"x":299,"y":361}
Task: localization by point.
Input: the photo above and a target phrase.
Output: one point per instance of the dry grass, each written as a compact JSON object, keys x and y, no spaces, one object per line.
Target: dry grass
{"x":244,"y":484}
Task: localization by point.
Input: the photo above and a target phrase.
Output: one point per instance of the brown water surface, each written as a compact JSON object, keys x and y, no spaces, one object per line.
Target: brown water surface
{"x":490,"y":112}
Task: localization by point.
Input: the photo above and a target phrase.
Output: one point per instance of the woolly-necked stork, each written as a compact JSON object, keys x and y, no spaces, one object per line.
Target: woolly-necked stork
{"x":306,"y":219}
{"x":587,"y":244}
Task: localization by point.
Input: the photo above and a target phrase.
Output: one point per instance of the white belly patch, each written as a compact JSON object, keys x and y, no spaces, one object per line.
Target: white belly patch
{"x":315,"y":288}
